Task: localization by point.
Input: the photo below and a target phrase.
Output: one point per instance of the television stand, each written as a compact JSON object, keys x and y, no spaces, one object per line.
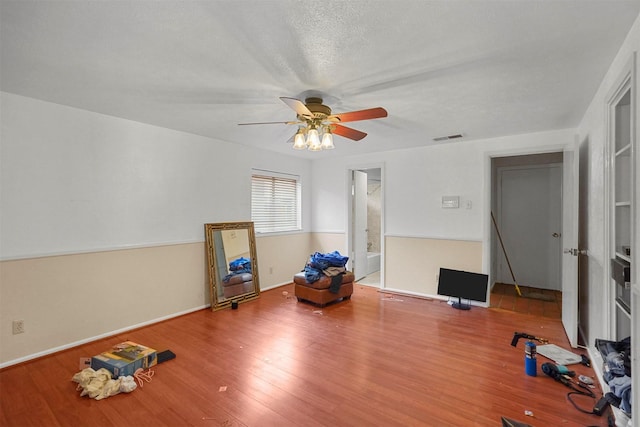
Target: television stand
{"x":460,"y":305}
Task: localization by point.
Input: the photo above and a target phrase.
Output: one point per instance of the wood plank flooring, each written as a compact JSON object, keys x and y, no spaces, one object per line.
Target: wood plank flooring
{"x":376,"y":360}
{"x":504,"y":296}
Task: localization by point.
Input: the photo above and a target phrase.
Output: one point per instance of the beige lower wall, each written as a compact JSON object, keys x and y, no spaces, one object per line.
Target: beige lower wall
{"x":73,"y":298}
{"x":70,"y":299}
{"x":280,"y":257}
{"x":412,"y":264}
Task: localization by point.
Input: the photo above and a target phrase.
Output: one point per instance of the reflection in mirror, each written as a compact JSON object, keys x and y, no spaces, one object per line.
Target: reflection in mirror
{"x":233,"y":266}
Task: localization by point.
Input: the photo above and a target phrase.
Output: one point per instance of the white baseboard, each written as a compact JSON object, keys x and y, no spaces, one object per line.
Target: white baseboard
{"x":97,"y":337}
{"x":429,"y":297}
{"x":277,"y":285}
{"x":597,"y":364}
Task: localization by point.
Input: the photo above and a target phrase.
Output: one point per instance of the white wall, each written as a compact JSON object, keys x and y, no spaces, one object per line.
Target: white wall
{"x":73,"y":181}
{"x":414,"y":182}
{"x":102,"y":221}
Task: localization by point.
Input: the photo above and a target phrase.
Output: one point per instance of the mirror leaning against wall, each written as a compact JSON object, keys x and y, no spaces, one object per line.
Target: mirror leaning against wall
{"x":232,"y":262}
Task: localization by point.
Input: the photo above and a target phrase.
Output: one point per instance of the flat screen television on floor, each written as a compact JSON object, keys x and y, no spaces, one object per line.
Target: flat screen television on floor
{"x":463,"y":285}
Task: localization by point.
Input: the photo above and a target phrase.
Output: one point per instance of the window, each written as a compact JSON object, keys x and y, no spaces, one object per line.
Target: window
{"x":275,"y":202}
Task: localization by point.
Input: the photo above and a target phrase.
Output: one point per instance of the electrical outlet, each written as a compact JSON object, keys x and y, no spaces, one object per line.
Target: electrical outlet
{"x":18,"y":327}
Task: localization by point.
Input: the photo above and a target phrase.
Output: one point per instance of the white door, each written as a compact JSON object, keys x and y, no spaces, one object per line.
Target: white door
{"x":570,"y":254}
{"x":359,"y":226}
{"x":529,"y":217}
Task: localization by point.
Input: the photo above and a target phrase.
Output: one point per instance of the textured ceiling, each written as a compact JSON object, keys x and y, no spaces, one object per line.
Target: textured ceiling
{"x":480,"y":68}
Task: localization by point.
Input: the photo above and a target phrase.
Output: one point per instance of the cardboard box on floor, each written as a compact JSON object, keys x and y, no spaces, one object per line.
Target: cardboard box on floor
{"x":125,"y":359}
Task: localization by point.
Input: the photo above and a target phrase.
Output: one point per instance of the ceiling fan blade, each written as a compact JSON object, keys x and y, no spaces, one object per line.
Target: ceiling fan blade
{"x":356,"y":135}
{"x":269,"y":123}
{"x":297,"y":106}
{"x":354,"y":116}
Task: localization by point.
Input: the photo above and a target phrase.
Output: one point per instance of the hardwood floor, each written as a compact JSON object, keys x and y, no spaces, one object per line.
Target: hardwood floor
{"x":376,"y":360}
{"x":504,"y":296}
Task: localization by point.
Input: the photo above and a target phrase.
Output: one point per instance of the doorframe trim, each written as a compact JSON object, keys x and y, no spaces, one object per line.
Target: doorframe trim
{"x":349,"y":214}
{"x":487,"y":235}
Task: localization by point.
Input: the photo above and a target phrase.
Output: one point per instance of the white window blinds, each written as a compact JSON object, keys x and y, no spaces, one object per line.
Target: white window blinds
{"x":275,"y":202}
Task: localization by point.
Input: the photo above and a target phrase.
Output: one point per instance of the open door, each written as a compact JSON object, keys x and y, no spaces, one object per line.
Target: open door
{"x":359,"y":226}
{"x":570,"y":218}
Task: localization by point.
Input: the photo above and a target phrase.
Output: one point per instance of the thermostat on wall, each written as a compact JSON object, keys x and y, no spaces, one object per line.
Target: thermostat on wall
{"x":450,"y":201}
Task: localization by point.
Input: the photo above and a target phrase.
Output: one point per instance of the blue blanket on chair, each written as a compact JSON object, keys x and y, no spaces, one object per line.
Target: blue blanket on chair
{"x":318,"y":262}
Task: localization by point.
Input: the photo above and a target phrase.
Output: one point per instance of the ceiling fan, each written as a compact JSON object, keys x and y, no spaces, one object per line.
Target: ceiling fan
{"x":314,"y":119}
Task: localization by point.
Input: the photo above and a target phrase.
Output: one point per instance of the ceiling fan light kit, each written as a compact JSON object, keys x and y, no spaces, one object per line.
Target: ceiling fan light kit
{"x":315,"y":121}
{"x":312,"y":141}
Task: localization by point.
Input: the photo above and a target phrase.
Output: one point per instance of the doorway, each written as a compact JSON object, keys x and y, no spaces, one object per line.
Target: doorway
{"x":366,"y":241}
{"x":526,"y":201}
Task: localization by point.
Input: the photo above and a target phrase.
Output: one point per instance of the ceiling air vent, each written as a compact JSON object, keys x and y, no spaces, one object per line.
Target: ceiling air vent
{"x":448,"y":137}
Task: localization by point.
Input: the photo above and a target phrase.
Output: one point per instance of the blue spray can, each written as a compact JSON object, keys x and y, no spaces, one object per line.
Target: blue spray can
{"x":530,"y":362}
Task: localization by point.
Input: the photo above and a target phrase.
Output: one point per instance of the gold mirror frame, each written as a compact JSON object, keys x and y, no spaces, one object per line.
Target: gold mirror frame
{"x":218,"y":261}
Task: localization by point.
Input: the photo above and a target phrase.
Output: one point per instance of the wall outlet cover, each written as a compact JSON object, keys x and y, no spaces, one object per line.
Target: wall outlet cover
{"x":18,"y":327}
{"x":450,"y":202}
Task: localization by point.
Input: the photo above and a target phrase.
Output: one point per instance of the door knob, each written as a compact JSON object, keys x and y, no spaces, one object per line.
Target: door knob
{"x":556,"y":234}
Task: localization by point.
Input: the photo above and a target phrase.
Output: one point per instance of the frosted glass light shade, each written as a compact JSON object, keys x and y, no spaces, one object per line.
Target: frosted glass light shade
{"x":298,"y":141}
{"x":313,"y":140}
{"x":327,"y":141}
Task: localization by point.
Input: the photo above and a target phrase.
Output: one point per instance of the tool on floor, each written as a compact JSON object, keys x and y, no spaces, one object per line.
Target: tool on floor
{"x":556,"y":372}
{"x":508,"y":422}
{"x":518,"y":335}
{"x":165,"y":355}
{"x":585,"y":361}
{"x":585,"y":380}
{"x":530,"y":361}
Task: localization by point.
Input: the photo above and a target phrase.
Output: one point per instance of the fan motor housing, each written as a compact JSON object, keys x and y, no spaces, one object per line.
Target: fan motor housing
{"x":316,"y":106}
